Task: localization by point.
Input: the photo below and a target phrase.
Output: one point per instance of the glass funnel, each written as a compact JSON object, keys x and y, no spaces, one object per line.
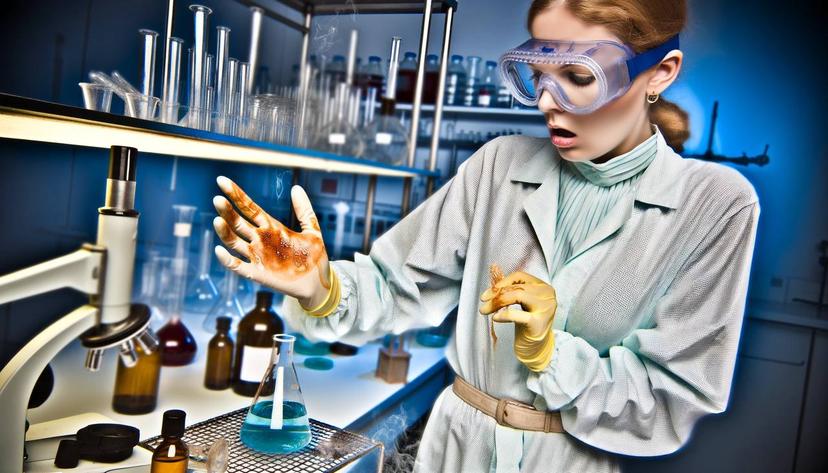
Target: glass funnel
{"x":202,"y":294}
{"x":228,"y":306}
{"x":278,"y":422}
{"x":178,"y":347}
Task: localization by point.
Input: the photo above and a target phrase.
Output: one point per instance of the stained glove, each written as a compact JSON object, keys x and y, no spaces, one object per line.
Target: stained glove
{"x":293,"y":263}
{"x":534,"y":339}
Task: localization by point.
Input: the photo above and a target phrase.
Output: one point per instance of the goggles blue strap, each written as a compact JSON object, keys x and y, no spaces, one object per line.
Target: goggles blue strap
{"x":641,"y":62}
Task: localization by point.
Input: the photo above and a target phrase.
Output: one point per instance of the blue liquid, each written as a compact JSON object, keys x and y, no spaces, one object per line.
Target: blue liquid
{"x":294,"y":434}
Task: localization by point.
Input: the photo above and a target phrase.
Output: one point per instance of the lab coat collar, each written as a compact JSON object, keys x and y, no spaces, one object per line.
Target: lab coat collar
{"x":660,"y":184}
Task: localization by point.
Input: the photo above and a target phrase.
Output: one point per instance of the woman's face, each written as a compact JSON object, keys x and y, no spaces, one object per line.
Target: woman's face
{"x":607,"y":132}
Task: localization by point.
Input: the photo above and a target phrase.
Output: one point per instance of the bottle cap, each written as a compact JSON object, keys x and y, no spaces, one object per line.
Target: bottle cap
{"x":264,"y":299}
{"x":173,"y":424}
{"x":456,"y":57}
{"x":223,"y":323}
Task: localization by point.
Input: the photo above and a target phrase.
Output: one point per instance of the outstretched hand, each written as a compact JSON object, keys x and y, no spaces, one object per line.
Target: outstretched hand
{"x":294,"y":263}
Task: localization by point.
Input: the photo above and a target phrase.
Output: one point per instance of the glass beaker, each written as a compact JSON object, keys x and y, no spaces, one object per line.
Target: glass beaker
{"x":202,"y":294}
{"x":278,"y":423}
{"x":141,"y":106}
{"x":228,"y":306}
{"x":96,"y":96}
{"x":150,"y":283}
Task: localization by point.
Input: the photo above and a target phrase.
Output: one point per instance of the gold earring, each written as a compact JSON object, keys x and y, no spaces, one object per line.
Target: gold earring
{"x":652,"y":98}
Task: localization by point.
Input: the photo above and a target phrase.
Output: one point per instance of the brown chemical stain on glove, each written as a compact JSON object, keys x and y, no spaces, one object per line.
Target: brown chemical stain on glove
{"x":495,"y":276}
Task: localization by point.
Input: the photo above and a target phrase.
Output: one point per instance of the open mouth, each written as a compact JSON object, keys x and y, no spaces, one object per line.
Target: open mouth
{"x":562,"y":132}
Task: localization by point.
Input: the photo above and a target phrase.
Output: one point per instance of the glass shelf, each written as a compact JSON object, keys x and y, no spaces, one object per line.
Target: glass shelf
{"x":35,"y":120}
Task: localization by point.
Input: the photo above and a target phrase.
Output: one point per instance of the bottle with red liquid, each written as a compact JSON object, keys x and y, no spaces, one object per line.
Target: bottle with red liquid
{"x":407,"y":78}
{"x":371,"y":75}
{"x":432,"y":77}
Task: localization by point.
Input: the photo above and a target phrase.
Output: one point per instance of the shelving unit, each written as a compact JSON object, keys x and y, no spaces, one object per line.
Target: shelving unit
{"x":34,"y":120}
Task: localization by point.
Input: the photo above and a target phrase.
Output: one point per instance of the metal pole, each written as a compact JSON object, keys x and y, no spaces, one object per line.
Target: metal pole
{"x":369,"y":214}
{"x":438,"y":106}
{"x":418,"y":88}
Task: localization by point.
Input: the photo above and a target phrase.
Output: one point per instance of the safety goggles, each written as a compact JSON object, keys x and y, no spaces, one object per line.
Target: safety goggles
{"x":582,"y":76}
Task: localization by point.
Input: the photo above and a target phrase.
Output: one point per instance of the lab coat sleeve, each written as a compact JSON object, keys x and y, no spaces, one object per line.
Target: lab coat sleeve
{"x":411,"y":276}
{"x":644,"y":398}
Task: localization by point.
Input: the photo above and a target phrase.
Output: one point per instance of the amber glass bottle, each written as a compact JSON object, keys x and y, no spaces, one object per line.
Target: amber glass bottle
{"x":219,"y":357}
{"x":254,"y":344}
{"x":136,"y":388}
{"x":171,"y":455}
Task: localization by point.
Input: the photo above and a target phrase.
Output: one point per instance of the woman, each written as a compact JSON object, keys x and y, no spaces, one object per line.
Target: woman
{"x":626,"y":265}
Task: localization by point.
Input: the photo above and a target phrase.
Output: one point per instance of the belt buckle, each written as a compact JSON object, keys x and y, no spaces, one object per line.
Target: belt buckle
{"x":500,"y":411}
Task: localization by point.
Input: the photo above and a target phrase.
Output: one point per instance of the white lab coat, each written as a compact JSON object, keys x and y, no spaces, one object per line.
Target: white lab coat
{"x":649,"y":313}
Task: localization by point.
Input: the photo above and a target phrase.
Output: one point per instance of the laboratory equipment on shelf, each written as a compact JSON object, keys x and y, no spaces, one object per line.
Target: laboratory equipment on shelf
{"x":371,"y":75}
{"x":386,"y":138}
{"x":197,"y":94}
{"x":277,"y":421}
{"x":136,"y":387}
{"x":222,"y":71}
{"x":487,"y":91}
{"x":172,"y":454}
{"x":432,"y":71}
{"x":149,"y":41}
{"x":407,"y":78}
{"x":219,"y":368}
{"x":228,"y":305}
{"x":109,"y":320}
{"x":472,"y":81}
{"x":455,"y":81}
{"x":202,"y":294}
{"x":254,"y":339}
{"x":170,"y":103}
{"x":142,"y":106}
{"x":178,"y":347}
{"x":96,"y":96}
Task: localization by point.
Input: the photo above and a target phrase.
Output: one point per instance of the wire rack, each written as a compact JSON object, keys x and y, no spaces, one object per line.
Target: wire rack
{"x":330,"y":448}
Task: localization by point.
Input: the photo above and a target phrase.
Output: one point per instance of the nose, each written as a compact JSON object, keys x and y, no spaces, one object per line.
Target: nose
{"x":547,"y":103}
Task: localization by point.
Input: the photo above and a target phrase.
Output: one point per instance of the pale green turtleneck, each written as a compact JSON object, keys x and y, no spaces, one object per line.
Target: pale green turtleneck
{"x":588,"y":191}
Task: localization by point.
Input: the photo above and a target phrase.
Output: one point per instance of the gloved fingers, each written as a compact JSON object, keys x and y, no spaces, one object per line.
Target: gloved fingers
{"x":243,"y":202}
{"x":496,"y":300}
{"x":518,"y":277}
{"x":233,"y":219}
{"x":512,"y":315}
{"x":230,"y":238}
{"x":304,"y":210}
{"x":232,"y":263}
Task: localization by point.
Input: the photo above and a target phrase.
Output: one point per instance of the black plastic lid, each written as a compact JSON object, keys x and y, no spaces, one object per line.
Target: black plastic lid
{"x":264,"y":299}
{"x":108,"y":436}
{"x":223,"y":323}
{"x":122,"y":163}
{"x":68,"y":454}
{"x":173,"y":424}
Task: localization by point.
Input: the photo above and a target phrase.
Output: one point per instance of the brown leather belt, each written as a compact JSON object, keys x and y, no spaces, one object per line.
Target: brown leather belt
{"x":508,"y":412}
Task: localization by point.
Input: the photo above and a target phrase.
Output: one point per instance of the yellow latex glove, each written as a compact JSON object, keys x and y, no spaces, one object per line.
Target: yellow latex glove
{"x":534,"y":339}
{"x":293,"y":263}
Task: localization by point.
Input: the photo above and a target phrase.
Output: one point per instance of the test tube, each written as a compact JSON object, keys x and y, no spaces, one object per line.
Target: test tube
{"x":255,"y":34}
{"x":169,"y":108}
{"x":149,"y":38}
{"x":200,"y":13}
{"x":352,"y":51}
{"x":244,"y":82}
{"x":229,"y":112}
{"x":393,"y":67}
{"x":222,"y":62}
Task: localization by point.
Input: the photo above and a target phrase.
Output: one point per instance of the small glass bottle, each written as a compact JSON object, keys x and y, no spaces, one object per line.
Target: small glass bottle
{"x":455,"y":81}
{"x":431,"y":79}
{"x":472,"y":81}
{"x":487,"y":91}
{"x":172,"y":454}
{"x":219,"y":357}
{"x":136,"y":388}
{"x":254,"y":343}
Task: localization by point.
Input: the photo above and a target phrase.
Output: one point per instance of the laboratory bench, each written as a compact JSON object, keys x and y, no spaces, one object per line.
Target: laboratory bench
{"x":348,"y":396}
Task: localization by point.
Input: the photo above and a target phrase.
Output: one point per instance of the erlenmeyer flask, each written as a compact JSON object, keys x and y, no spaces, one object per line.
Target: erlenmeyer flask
{"x":202,"y":294}
{"x":227,"y":306}
{"x":339,"y":136}
{"x":278,"y":422}
{"x":150,"y":274}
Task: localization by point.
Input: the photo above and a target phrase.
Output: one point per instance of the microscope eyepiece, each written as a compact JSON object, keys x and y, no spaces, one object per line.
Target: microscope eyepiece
{"x":122,"y":163}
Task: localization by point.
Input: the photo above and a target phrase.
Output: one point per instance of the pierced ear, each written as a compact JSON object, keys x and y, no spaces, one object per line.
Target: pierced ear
{"x":666,"y":72}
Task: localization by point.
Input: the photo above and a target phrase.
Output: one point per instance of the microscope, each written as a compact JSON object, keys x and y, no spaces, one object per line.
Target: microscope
{"x":104,"y":271}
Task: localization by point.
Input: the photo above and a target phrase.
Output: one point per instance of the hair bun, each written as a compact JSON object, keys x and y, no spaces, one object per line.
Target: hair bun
{"x":672,"y":121}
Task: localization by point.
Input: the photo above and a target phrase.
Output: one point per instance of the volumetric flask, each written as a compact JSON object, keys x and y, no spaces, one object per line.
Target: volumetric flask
{"x":278,"y":422}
